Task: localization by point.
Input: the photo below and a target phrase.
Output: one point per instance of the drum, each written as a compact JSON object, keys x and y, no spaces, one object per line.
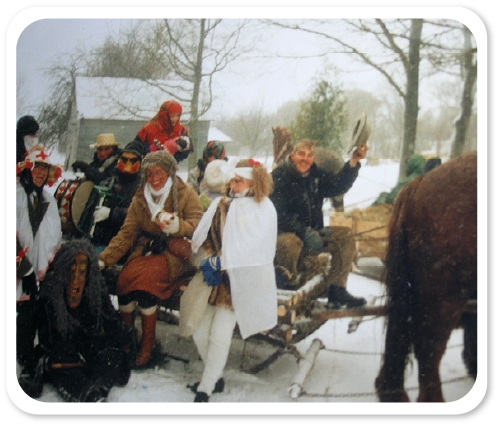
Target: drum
{"x":76,"y":203}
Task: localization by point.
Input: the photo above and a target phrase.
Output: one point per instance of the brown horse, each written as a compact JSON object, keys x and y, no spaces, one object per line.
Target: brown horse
{"x":431,"y":273}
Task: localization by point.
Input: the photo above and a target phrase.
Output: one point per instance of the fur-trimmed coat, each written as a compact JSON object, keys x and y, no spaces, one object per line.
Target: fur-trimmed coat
{"x":221,"y":294}
{"x":138,"y":229}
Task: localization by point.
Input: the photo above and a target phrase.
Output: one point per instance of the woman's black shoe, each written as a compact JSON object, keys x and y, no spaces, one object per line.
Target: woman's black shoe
{"x":201,"y":396}
{"x":219,"y":386}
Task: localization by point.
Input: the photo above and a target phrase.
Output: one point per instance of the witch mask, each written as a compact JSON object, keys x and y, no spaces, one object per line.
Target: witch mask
{"x":77,"y":278}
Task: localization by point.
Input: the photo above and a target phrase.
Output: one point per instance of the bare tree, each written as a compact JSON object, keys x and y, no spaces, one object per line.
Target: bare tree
{"x":469,"y":67}
{"x":127,"y":55}
{"x":180,"y":58}
{"x":251,"y":132}
{"x":397,"y":50}
{"x":54,"y":115}
{"x":196,"y":50}
{"x":397,"y":42}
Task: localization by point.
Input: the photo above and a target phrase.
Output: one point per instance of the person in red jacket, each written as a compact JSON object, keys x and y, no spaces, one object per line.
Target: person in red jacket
{"x":165,"y":132}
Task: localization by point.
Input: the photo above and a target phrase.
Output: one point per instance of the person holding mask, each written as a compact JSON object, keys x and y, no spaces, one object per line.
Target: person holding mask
{"x":38,"y":236}
{"x":165,"y":132}
{"x":235,"y":245}
{"x":164,"y":207}
{"x":300,"y":188}
{"x":104,"y":161}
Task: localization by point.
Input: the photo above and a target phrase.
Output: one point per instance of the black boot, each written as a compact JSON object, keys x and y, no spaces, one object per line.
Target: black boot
{"x":201,"y":396}
{"x":219,"y":386}
{"x":31,"y":384}
{"x":284,"y":279}
{"x":339,"y":297}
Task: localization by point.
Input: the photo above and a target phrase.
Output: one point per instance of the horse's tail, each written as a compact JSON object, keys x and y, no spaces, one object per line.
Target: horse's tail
{"x":398,"y":280}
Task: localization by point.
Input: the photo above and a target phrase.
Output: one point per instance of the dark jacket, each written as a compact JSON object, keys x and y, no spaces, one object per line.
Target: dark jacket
{"x":298,"y":199}
{"x":99,"y":170}
{"x":122,"y":188}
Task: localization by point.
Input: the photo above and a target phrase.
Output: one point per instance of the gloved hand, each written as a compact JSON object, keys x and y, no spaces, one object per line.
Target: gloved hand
{"x":101,"y":213}
{"x":183,"y":142}
{"x":169,"y":223}
{"x":312,"y":240}
{"x":101,"y":264}
{"x":79,"y":165}
{"x":29,"y":284}
{"x":210,"y":267}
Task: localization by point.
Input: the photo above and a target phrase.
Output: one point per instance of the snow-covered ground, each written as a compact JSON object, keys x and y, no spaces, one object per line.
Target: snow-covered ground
{"x":343,"y":373}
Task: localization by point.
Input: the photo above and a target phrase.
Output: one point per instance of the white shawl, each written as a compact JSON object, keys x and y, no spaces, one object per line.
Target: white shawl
{"x":43,"y":247}
{"x":248,"y":250}
{"x":163,"y":193}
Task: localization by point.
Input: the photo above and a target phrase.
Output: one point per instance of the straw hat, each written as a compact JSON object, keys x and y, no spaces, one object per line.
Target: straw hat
{"x":105,"y":140}
{"x":361,"y":132}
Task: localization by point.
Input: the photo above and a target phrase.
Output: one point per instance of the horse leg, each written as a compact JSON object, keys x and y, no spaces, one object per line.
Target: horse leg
{"x":469,"y":321}
{"x":433,"y":326}
{"x":390,"y":380}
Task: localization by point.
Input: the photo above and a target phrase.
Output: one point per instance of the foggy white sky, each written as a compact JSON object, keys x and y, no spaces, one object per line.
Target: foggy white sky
{"x":247,"y":85}
{"x":45,"y":41}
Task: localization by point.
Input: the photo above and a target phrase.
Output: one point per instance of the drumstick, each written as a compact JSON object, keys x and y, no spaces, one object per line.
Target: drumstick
{"x":101,"y":201}
{"x":67,"y":365}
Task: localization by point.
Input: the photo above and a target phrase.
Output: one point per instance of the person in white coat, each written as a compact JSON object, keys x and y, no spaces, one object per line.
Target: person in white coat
{"x":235,"y":245}
{"x":38,"y":236}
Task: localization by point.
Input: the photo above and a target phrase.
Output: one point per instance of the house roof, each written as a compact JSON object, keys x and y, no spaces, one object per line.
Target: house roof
{"x":115,"y":98}
{"x":215,"y":134}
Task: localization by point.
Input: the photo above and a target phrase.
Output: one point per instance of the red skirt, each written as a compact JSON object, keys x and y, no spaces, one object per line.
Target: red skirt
{"x":148,"y":273}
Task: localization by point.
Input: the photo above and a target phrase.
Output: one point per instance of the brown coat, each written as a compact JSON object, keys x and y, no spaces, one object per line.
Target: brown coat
{"x":138,"y":224}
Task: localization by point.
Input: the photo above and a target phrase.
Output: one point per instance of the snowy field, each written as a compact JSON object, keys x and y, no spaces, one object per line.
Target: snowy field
{"x":344,"y":371}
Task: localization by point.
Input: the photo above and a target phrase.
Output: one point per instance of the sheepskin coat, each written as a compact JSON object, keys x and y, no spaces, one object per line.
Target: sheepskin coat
{"x":138,"y":229}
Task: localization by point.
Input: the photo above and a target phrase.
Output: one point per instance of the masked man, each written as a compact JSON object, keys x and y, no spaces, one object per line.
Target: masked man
{"x":82,"y":339}
{"x":120,"y":189}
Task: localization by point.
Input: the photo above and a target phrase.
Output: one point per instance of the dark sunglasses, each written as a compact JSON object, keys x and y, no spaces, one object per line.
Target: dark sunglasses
{"x":125,"y":160}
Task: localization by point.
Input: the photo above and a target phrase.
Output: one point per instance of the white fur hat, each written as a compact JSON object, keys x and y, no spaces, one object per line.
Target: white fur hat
{"x":214,"y":178}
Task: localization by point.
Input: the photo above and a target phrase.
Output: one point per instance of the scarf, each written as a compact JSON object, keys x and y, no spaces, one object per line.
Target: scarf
{"x":156,"y":199}
{"x":159,"y":127}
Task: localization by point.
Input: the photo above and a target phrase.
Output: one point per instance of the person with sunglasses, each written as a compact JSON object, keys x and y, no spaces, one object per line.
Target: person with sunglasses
{"x":118,"y":191}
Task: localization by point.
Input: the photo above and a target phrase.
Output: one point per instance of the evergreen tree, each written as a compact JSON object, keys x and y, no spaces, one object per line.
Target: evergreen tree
{"x":322,"y":117}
